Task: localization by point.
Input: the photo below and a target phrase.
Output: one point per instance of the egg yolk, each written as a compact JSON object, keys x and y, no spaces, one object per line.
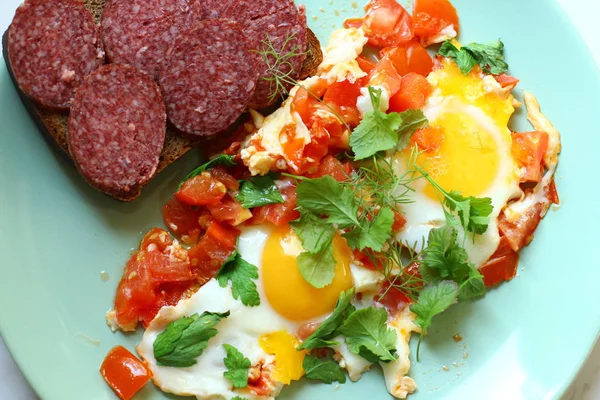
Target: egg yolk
{"x":288,"y":360}
{"x":286,"y":289}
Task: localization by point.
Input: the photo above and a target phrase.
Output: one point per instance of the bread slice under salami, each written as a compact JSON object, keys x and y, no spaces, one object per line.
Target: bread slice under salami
{"x":52,"y":46}
{"x":117,"y":129}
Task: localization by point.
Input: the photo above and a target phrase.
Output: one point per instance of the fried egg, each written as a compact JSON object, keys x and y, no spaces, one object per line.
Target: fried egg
{"x":472,"y":113}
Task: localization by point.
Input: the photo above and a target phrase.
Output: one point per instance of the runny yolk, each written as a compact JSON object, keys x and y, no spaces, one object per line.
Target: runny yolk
{"x":288,"y":360}
{"x":286,"y":289}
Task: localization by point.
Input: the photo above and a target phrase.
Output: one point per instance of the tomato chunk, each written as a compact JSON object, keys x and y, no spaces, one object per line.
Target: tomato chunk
{"x":342,"y":94}
{"x":279,"y":214}
{"x":387,"y":23}
{"x":229,"y":211}
{"x":502,"y":265}
{"x":182,"y":220}
{"x":434,"y":20}
{"x":365,"y":64}
{"x":124,"y":372}
{"x":414,"y":91}
{"x":529,"y":148}
{"x":519,"y":233}
{"x":215,"y":247}
{"x":428,"y":139}
{"x":331,"y":166}
{"x":201,"y":190}
{"x":353,"y":23}
{"x":506,"y":80}
{"x":385,"y":74}
{"x":411,"y":57}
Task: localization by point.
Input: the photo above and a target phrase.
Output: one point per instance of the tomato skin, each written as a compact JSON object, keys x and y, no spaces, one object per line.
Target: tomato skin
{"x":393,"y":299}
{"x":414,"y":91}
{"x":229,"y":211}
{"x":528,"y":148}
{"x":365,"y":64}
{"x":201,"y":190}
{"x":411,"y":57}
{"x":502,"y":265}
{"x":182,"y":220}
{"x":279,"y":214}
{"x":221,"y":174}
{"x":431,"y":17}
{"x":353,"y":23}
{"x":213,"y":249}
{"x":387,"y":24}
{"x":429,"y":139}
{"x":506,"y":80}
{"x":342,"y":94}
{"x":399,"y":222}
{"x":519,"y":233}
{"x":124,"y":372}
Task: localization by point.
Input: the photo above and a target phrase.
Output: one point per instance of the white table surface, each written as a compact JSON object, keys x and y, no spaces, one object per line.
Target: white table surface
{"x":13,"y":385}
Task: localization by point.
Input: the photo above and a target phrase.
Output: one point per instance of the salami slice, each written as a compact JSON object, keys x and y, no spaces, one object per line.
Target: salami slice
{"x":52,"y":46}
{"x":215,"y":8}
{"x":209,"y":77}
{"x":117,"y":129}
{"x":139,"y":32}
{"x":278,"y":31}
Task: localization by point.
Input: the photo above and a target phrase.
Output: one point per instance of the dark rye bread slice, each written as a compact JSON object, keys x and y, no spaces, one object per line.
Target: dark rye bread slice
{"x":54,"y":124}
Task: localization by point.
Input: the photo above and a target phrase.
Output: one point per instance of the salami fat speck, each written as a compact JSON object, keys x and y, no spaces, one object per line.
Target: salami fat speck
{"x":209,"y":77}
{"x":117,"y":129}
{"x":52,"y":46}
{"x":139,"y":32}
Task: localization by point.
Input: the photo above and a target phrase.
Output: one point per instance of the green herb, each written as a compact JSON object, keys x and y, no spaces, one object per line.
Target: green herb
{"x":238,"y":398}
{"x":433,"y":300}
{"x":237,"y":367}
{"x":411,"y":121}
{"x":489,"y":56}
{"x":259,"y":191}
{"x":323,"y":369}
{"x":368,"y":335}
{"x":314,"y":232}
{"x":222,"y":160}
{"x":185,"y":339}
{"x":473,"y":287}
{"x":323,"y":335}
{"x":318,"y":269}
{"x":372,"y":234}
{"x":241,"y":274}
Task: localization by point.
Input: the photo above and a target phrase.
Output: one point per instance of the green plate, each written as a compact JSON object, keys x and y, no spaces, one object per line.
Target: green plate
{"x":526,"y":339}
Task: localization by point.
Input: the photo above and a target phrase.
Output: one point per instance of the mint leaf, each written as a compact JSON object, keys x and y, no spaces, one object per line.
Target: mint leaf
{"x":222,"y":160}
{"x":237,"y":367}
{"x":241,"y":274}
{"x":489,"y":56}
{"x":411,"y":121}
{"x":318,"y":269}
{"x":185,"y":339}
{"x":314,"y":232}
{"x":259,"y":191}
{"x":366,"y":332}
{"x":328,"y":329}
{"x":323,"y":369}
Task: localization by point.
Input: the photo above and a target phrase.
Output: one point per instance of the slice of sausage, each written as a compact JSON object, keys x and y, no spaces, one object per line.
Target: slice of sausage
{"x":52,"y":46}
{"x":117,"y":129}
{"x":278,"y":32}
{"x":215,"y":8}
{"x":139,"y":32}
{"x":209,"y":77}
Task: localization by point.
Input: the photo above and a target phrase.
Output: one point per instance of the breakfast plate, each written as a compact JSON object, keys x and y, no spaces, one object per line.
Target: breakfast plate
{"x":64,"y":245}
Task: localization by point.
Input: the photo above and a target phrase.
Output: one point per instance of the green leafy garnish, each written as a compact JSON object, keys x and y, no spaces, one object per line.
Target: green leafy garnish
{"x":323,"y":335}
{"x":237,"y":398}
{"x":318,"y":269}
{"x":323,"y":369}
{"x":241,"y":274}
{"x":259,"y":191}
{"x":372,"y":234}
{"x":237,"y":367}
{"x":380,"y":131}
{"x":490,"y":56}
{"x":433,"y":300}
{"x":222,"y":160}
{"x":368,"y":335}
{"x":473,"y":287}
{"x":185,"y":339}
{"x":314,"y":232}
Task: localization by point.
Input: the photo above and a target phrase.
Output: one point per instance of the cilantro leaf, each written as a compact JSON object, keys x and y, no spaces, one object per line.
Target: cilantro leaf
{"x":313,"y":231}
{"x":411,"y":121}
{"x":372,"y":234}
{"x":237,"y":367}
{"x":366,"y":330}
{"x":185,"y":339}
{"x":259,"y":191}
{"x":490,"y":56}
{"x":433,"y":300}
{"x":327,"y":196}
{"x":322,"y":336}
{"x":377,"y":131}
{"x":318,"y":269}
{"x":221,"y":160}
{"x":474,"y":212}
{"x":473,"y":287}
{"x":443,"y":258}
{"x":242,"y":275}
{"x":323,"y":369}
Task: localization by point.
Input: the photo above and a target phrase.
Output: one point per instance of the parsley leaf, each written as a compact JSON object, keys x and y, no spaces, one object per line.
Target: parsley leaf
{"x":323,"y":369}
{"x":490,"y":56}
{"x":237,"y":367}
{"x":433,"y":300}
{"x":185,"y":339}
{"x":411,"y":121}
{"x":221,"y":160}
{"x":372,"y":234}
{"x":242,"y":275}
{"x":473,"y":287}
{"x":313,"y":231}
{"x":367,"y":333}
{"x":318,"y":269}
{"x":443,"y":258}
{"x":474,"y":212}
{"x":328,"y":329}
{"x":259,"y":191}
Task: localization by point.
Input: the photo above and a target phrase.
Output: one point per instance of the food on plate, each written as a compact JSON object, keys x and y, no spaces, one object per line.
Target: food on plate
{"x":140,"y":32}
{"x":117,"y":129}
{"x":52,"y":46}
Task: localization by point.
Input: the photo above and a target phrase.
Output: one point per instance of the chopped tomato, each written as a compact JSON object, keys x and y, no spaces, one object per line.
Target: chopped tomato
{"x":331,"y":166}
{"x":392,"y":298}
{"x":307,"y":329}
{"x":432,"y":18}
{"x":215,"y":247}
{"x":365,"y":64}
{"x":342,"y":94}
{"x":387,"y":23}
{"x":519,"y":233}
{"x":201,"y":190}
{"x":258,"y":381}
{"x":411,"y":57}
{"x":385,"y":74}
{"x":353,"y":23}
{"x":304,"y":102}
{"x":279,"y":214}
{"x":221,"y":174}
{"x":124,"y":372}
{"x":293,"y":147}
{"x":414,"y":91}
{"x":399,"y":222}
{"x":182,"y":220}
{"x":502,"y":265}
{"x":529,"y":148}
{"x":506,"y":80}
{"x":316,"y":149}
{"x":229,"y":211}
{"x":552,"y":193}
{"x":428,"y":139}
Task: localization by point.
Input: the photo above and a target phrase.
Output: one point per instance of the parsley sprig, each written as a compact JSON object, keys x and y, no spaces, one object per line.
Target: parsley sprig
{"x":237,"y":367}
{"x":490,"y":56}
